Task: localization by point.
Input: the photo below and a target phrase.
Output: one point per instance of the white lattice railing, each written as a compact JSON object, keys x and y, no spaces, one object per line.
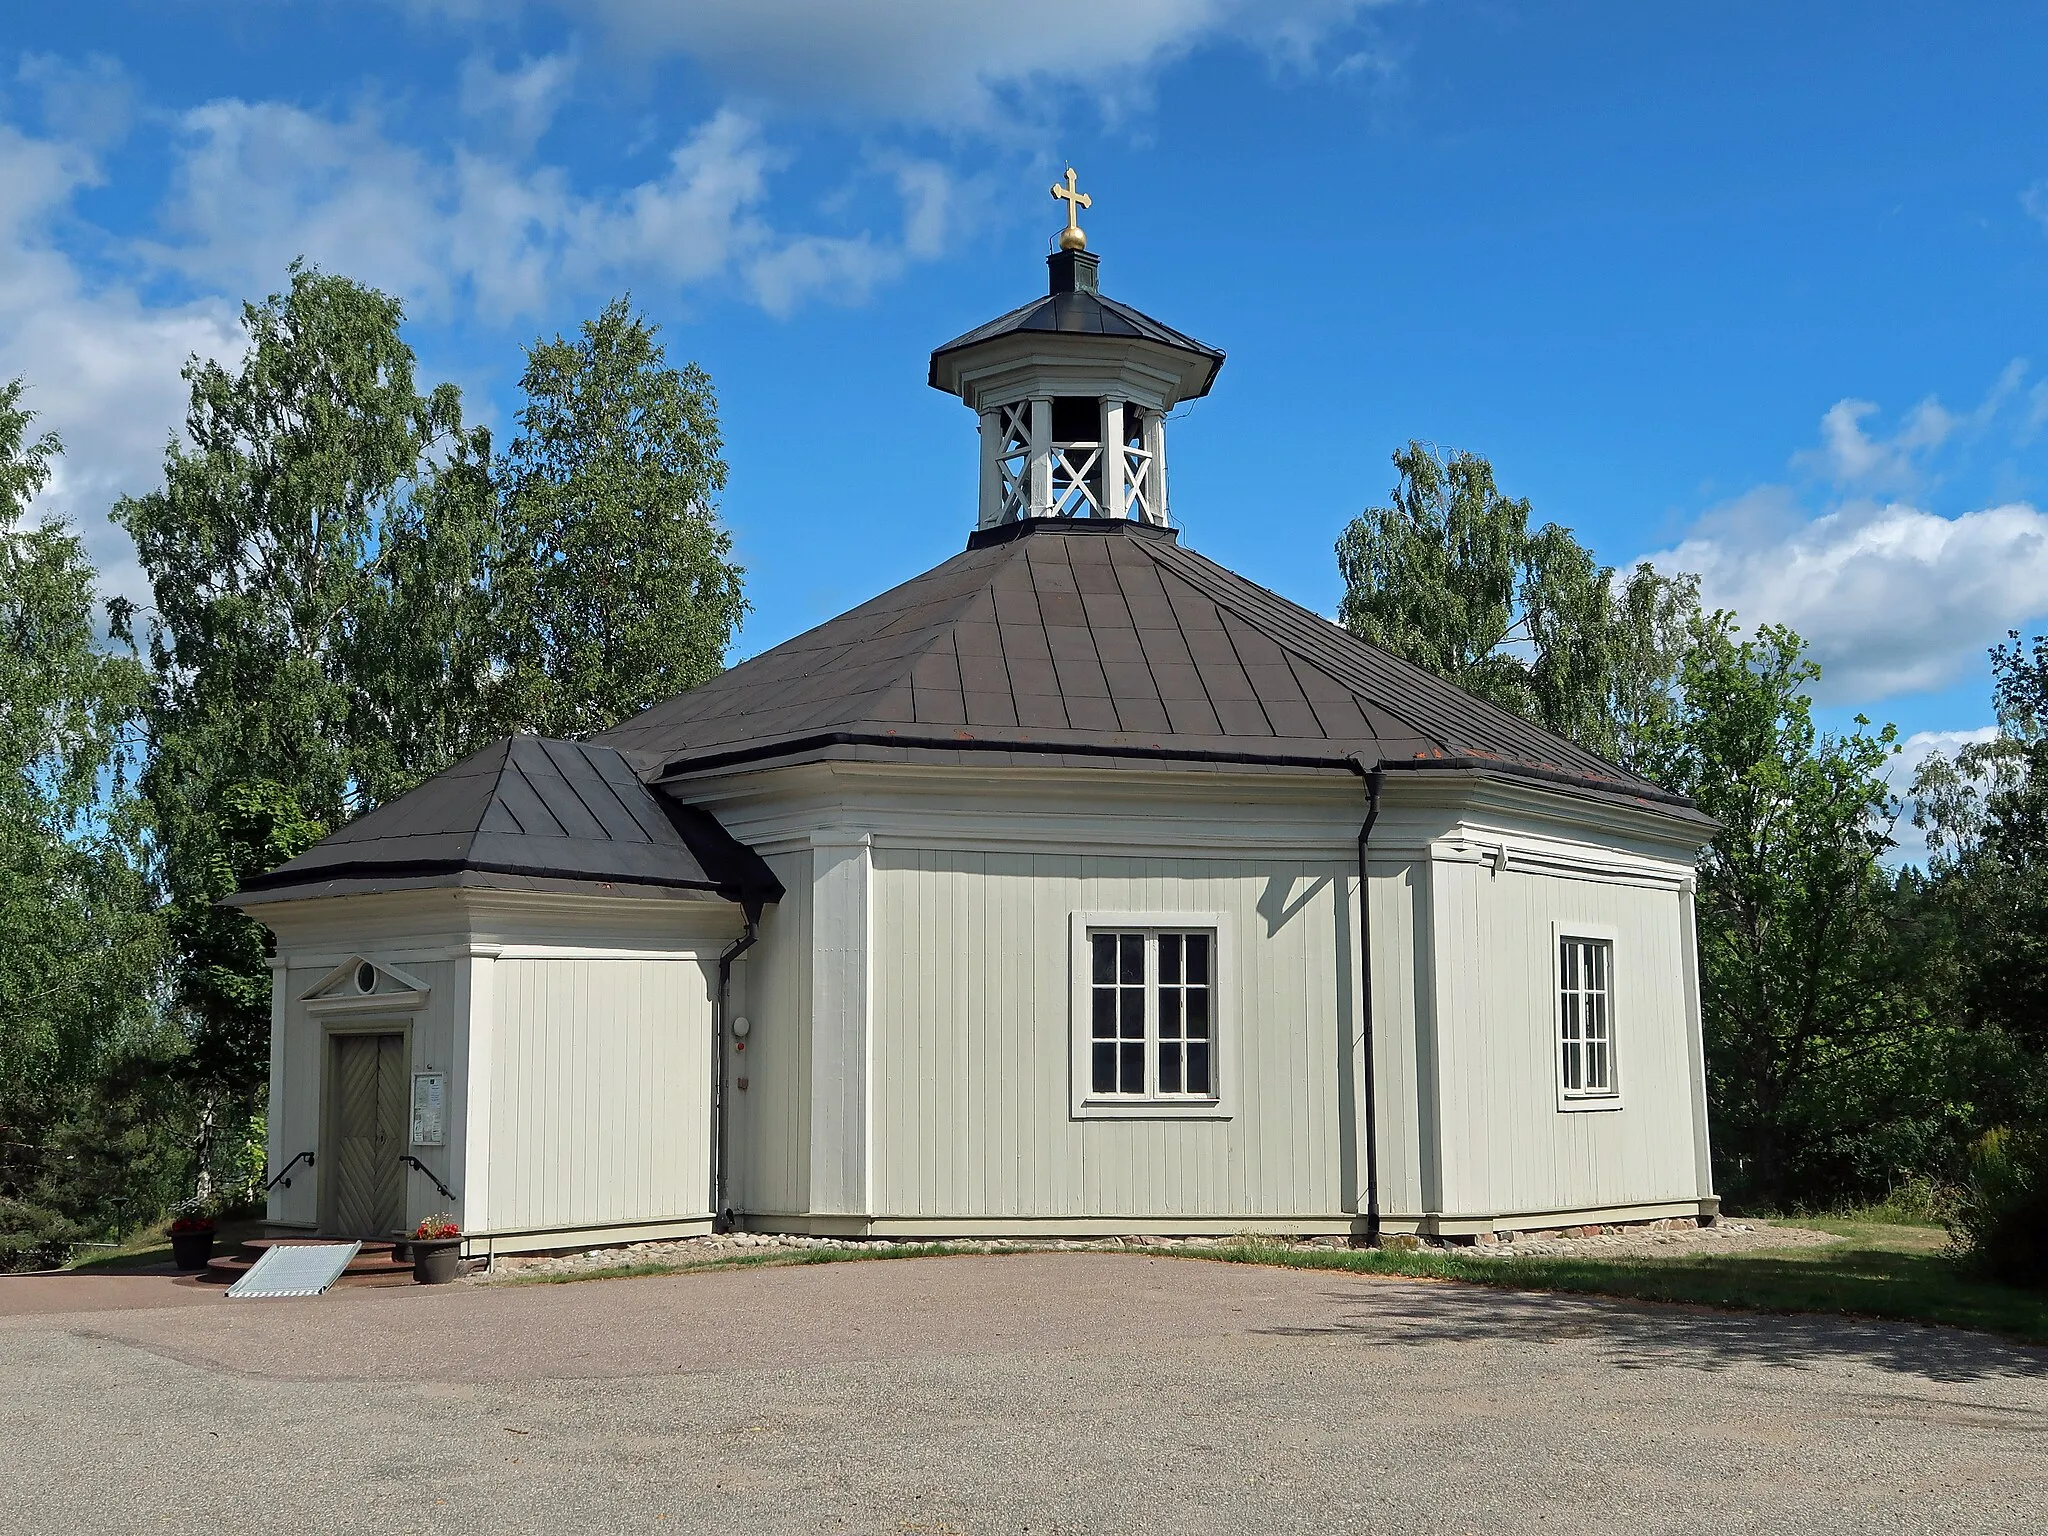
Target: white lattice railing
{"x":1013,"y":462}
{"x":1137,"y":482}
{"x":1072,"y":493}
{"x":1073,"y":475}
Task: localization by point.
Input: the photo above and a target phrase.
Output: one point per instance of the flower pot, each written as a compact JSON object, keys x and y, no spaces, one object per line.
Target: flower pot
{"x":191,"y":1250}
{"x":436,"y":1261}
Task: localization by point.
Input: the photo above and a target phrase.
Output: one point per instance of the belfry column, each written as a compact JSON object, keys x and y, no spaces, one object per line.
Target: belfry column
{"x":1112,"y":457}
{"x":1041,"y":458}
{"x":991,"y":469}
{"x":1154,"y":510}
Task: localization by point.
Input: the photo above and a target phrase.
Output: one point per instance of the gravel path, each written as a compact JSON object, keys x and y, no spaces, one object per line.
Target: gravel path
{"x":1607,"y":1243}
{"x":1652,"y":1243}
{"x":1073,"y":1392}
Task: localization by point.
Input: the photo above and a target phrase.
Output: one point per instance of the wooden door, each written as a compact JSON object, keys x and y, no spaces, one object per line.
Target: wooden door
{"x":369,"y":1119}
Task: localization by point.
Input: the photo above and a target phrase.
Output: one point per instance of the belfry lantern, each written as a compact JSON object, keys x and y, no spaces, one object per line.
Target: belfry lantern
{"x":1073,"y":390}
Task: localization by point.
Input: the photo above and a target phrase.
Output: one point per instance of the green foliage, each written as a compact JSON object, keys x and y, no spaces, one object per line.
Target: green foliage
{"x":2002,"y":1218}
{"x":617,"y":588}
{"x":1824,"y":1071}
{"x":1451,"y":578}
{"x":98,"y":1155}
{"x":351,"y":593}
{"x":1915,"y":1201}
{"x":224,"y":985}
{"x":1986,"y":816}
{"x":80,"y":940}
{"x":313,"y":645}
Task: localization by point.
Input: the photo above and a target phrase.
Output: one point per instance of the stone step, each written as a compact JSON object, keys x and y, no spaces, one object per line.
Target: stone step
{"x":376,"y":1264}
{"x":372,"y":1247}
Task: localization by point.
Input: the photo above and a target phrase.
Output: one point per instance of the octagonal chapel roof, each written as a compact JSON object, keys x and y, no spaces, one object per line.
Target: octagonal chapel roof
{"x":1100,"y":642}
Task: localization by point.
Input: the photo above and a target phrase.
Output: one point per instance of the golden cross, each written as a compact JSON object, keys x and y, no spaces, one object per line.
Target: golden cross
{"x":1071,"y":238}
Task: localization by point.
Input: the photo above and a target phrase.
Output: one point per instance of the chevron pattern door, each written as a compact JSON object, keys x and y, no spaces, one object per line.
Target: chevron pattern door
{"x":369,"y":1134}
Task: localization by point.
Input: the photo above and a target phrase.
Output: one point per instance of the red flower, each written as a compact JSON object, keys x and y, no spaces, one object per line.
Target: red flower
{"x":184,"y":1224}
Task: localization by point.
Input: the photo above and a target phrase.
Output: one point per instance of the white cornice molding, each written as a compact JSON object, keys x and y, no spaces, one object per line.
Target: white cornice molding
{"x":840,"y":837}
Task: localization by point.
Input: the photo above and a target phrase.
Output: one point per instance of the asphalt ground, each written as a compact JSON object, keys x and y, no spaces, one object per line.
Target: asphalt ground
{"x":1048,"y":1392}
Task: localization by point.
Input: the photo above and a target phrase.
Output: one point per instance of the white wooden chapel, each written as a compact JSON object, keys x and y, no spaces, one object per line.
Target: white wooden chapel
{"x":1021,"y":899}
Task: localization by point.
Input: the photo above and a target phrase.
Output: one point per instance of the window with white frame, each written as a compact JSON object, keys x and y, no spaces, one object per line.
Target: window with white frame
{"x":1151,"y":1018}
{"x":1585,"y":1017}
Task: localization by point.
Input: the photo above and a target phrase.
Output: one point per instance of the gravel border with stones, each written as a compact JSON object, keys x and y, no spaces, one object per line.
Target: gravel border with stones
{"x":1654,"y":1243}
{"x":681,"y":1253}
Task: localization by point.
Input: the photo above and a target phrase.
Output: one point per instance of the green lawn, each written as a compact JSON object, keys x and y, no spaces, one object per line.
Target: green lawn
{"x":1880,"y":1269}
{"x":152,"y":1245}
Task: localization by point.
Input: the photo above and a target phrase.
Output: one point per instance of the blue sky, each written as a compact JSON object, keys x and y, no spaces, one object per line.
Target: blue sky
{"x":1756,"y":289}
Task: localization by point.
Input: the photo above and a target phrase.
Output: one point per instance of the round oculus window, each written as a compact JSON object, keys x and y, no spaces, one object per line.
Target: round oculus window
{"x":366,"y":977}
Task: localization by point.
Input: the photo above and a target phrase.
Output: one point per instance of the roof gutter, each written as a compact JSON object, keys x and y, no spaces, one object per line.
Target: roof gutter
{"x":1369,"y":1110}
{"x":1644,"y":794}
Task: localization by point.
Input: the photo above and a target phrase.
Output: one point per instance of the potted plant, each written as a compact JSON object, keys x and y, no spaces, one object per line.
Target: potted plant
{"x":436,"y":1251}
{"x":192,"y":1234}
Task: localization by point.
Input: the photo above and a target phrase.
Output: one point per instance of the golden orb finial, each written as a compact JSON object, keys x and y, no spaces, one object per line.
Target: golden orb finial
{"x":1072,"y":238}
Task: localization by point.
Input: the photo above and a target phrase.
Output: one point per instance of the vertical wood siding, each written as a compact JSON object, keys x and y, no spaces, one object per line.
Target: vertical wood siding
{"x":298,"y":1065}
{"x":601,"y":1092}
{"x":972,"y":998}
{"x":768,"y":1136}
{"x":1506,"y":1146}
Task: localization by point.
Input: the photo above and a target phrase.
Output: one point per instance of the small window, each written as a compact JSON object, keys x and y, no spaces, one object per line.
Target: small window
{"x":1152,"y":1017}
{"x":1585,"y":1038}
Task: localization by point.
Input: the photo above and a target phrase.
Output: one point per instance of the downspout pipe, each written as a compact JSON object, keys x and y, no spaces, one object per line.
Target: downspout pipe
{"x":1369,"y":1110}
{"x":721,"y":1207}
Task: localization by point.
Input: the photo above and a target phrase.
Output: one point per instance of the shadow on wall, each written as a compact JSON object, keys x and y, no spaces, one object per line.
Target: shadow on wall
{"x":1278,"y":903}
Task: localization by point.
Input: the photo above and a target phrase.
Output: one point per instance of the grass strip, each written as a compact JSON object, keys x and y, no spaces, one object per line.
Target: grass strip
{"x":772,"y":1258}
{"x":1873,"y":1273}
{"x":1893,"y":1272}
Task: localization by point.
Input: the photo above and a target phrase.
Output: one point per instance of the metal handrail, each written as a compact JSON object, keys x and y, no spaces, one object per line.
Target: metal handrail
{"x":423,"y":1168}
{"x":281,"y":1176}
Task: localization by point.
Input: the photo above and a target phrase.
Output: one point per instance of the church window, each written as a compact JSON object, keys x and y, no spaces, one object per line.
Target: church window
{"x":1149,"y":1032}
{"x":1585,"y":969}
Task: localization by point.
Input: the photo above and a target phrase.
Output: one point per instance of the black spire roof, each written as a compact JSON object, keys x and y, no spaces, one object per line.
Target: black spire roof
{"x":1104,"y":642}
{"x":1076,"y":307}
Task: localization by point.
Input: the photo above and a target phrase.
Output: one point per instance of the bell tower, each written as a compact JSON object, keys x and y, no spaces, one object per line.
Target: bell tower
{"x":1072,"y":391}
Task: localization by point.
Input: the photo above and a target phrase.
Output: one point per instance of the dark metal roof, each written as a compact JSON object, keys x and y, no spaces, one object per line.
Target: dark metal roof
{"x":1089,"y":314}
{"x":1098,"y":641}
{"x":529,"y":809}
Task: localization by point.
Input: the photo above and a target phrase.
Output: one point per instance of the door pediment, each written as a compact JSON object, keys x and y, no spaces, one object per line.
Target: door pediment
{"x":363,"y":985}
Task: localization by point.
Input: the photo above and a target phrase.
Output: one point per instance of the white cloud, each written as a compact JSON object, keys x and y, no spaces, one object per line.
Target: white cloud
{"x":2035,"y":201}
{"x":102,"y":365}
{"x":256,"y":184}
{"x":260,"y":183}
{"x":517,"y":105}
{"x":90,"y":103}
{"x":1922,"y":745}
{"x":1850,"y":458}
{"x":962,"y":63}
{"x":1910,"y":843}
{"x":1891,"y":599}
{"x":1848,"y":455}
